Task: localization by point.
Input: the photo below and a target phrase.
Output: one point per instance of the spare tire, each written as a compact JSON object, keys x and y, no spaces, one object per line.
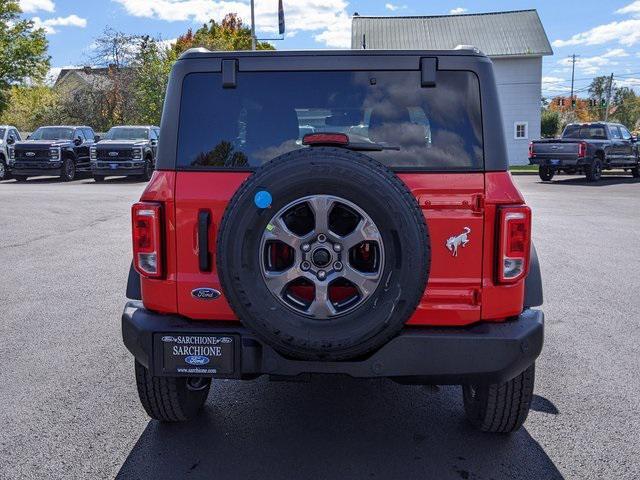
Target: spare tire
{"x":324,"y":253}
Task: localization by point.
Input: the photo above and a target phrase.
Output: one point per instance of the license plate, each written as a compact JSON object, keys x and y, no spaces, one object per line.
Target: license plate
{"x":197,"y":354}
{"x":554,"y":161}
{"x":113,"y":166}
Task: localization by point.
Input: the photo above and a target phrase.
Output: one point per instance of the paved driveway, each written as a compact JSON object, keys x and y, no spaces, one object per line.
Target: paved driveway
{"x":68,"y":406}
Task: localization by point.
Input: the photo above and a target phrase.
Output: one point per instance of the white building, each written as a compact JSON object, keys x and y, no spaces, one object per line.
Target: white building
{"x":515,"y":42}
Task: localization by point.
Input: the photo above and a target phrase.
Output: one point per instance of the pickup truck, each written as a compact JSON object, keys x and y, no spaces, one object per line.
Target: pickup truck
{"x":587,"y":149}
{"x":8,"y":136}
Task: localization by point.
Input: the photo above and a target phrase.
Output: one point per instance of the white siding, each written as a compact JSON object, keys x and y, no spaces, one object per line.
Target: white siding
{"x":519,"y":82}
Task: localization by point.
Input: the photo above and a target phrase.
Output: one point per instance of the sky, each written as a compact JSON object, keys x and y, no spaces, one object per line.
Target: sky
{"x":604,"y":35}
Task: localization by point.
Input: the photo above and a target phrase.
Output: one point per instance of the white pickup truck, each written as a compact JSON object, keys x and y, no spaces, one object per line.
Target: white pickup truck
{"x":8,"y":136}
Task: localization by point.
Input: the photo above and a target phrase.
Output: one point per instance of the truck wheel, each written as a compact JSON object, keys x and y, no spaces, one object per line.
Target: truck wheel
{"x":500,"y":407}
{"x":546,"y":173}
{"x":324,"y":253}
{"x":594,"y":171}
{"x":635,"y":171}
{"x":171,"y":399}
{"x":98,"y":178}
{"x":148,"y":170}
{"x":20,"y":178}
{"x":4,"y":173}
{"x":68,"y":170}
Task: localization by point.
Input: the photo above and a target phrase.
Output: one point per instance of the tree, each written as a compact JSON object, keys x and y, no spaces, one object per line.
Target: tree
{"x":230,"y":34}
{"x":23,"y":51}
{"x":627,"y":107}
{"x":550,"y":124}
{"x":31,"y":107}
{"x":151,"y":74}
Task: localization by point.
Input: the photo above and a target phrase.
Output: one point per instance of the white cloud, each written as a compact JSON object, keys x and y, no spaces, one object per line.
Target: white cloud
{"x":393,"y":8}
{"x":30,"y":6}
{"x":551,"y":84}
{"x":633,"y":8}
{"x":328,"y":17}
{"x":589,"y":65}
{"x":616,"y":52}
{"x":626,"y":32}
{"x":49,"y":25}
{"x":458,"y":11}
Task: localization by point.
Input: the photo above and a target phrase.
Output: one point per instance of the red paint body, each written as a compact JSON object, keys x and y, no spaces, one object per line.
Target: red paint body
{"x":462,"y":290}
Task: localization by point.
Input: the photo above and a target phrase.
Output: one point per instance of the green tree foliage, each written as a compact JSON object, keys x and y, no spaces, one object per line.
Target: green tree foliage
{"x":627,"y":107}
{"x":30,"y":107}
{"x":151,"y":74}
{"x":550,"y":123}
{"x":23,"y":51}
{"x":230,"y":34}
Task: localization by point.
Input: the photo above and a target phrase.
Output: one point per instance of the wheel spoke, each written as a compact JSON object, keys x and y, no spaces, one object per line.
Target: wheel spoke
{"x":365,"y":231}
{"x":278,"y":230}
{"x":321,"y":307}
{"x":365,"y":282}
{"x":321,"y":206}
{"x":276,"y":281}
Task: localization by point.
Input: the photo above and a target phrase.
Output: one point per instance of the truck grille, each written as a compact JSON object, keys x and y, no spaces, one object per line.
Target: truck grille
{"x":109,"y":154}
{"x":31,"y":154}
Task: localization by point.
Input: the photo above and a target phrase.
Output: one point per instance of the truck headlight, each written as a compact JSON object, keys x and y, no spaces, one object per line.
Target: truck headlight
{"x":12,"y":154}
{"x":137,"y":153}
{"x":93,"y":154}
{"x":54,"y":154}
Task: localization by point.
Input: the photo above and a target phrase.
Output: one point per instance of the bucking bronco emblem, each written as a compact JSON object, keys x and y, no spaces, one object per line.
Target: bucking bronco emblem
{"x":456,"y":241}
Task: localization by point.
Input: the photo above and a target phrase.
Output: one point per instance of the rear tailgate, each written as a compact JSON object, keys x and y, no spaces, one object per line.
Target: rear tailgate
{"x":556,"y":149}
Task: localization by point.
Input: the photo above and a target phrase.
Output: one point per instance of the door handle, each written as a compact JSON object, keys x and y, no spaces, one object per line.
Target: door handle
{"x":204,"y":257}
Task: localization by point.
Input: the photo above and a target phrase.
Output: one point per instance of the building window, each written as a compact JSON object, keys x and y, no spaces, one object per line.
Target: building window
{"x":521,"y":130}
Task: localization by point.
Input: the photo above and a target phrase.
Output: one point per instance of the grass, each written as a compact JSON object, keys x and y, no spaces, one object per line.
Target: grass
{"x":523,"y":168}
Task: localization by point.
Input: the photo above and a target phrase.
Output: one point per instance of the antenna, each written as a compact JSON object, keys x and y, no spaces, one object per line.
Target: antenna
{"x":364,"y":41}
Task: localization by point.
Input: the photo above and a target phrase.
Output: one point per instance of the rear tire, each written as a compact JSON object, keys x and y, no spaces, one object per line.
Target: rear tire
{"x":20,"y":178}
{"x":148,"y":170}
{"x":98,"y":178}
{"x":171,"y":399}
{"x":500,"y":407}
{"x":635,"y":171}
{"x":594,"y":171}
{"x":546,"y":173}
{"x":68,"y":170}
{"x":4,"y":171}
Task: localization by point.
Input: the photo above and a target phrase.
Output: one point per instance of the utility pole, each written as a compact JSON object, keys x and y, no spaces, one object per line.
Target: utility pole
{"x":573,"y":71}
{"x":253,"y":27}
{"x":606,"y":113}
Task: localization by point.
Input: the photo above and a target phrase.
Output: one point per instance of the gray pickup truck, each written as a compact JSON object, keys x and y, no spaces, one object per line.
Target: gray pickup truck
{"x":587,"y":149}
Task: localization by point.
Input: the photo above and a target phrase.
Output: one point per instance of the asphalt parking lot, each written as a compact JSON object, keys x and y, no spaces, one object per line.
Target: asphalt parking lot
{"x":69,"y":409}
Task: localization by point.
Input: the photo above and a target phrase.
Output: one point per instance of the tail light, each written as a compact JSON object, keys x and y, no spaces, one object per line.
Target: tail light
{"x":582,"y":150}
{"x":325,"y":139}
{"x":514,"y":244}
{"x":531,"y":153}
{"x":147,"y":238}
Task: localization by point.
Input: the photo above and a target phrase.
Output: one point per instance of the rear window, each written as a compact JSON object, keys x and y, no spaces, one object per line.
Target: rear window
{"x":588,"y":132}
{"x":268,"y":114}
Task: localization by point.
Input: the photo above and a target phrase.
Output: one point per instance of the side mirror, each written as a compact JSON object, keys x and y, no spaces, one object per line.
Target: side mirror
{"x":77,"y":141}
{"x":634,"y":138}
{"x":96,"y":138}
{"x":11,"y":140}
{"x":153,"y":143}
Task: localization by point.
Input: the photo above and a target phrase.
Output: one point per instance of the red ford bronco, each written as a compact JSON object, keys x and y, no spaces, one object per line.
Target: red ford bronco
{"x":334,"y":212}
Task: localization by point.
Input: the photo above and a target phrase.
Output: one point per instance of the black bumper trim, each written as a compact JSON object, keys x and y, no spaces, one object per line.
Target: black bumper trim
{"x":483,"y":353}
{"x":117,"y":172}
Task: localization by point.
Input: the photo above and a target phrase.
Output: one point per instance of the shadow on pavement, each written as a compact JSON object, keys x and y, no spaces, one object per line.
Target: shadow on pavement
{"x":606,"y":180}
{"x":541,"y":404}
{"x":332,"y":428}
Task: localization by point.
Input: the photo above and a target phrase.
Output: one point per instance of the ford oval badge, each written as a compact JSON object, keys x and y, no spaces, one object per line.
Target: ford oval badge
{"x":205,"y":293}
{"x":196,"y":360}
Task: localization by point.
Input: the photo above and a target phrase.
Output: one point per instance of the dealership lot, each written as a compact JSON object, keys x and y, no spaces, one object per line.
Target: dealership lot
{"x":69,"y":406}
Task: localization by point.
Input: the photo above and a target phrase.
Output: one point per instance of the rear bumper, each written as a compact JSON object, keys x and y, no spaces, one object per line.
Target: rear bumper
{"x":484,"y":353}
{"x":559,"y":162}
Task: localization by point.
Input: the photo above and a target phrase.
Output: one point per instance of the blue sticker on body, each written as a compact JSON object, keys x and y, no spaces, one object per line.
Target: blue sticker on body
{"x":263,"y":199}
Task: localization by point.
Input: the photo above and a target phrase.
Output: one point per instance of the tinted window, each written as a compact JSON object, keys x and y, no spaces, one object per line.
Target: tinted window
{"x":153,"y":134}
{"x":615,"y":133}
{"x":625,"y":133}
{"x":268,"y":113}
{"x":52,"y":133}
{"x":78,"y":133}
{"x":593,"y":132}
{"x":127,"y":133}
{"x":88,"y":133}
{"x":16,"y":134}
